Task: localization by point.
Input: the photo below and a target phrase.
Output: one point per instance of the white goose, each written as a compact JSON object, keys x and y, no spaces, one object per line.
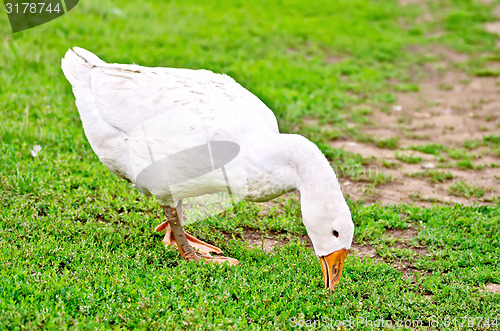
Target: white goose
{"x":157,"y":127}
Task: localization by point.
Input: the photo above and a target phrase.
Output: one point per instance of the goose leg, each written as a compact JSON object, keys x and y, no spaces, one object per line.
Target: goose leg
{"x":190,"y":247}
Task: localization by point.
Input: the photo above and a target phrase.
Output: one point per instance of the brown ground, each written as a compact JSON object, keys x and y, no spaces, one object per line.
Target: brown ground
{"x":449,"y":108}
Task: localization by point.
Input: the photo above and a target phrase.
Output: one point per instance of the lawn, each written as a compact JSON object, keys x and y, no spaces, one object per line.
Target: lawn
{"x":77,"y":245}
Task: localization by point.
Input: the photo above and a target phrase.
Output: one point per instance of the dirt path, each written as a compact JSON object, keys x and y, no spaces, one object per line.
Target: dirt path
{"x":451,"y":110}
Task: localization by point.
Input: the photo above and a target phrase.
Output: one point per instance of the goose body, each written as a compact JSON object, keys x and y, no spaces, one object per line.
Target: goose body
{"x":136,"y":118}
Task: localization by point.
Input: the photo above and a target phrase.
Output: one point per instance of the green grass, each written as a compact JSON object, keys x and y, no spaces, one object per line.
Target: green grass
{"x":487,"y":72}
{"x":408,"y":158}
{"x":390,"y":164}
{"x":434,"y":176}
{"x":405,"y":87}
{"x":459,"y":154}
{"x":77,"y":244}
{"x":389,"y":143}
{"x":431,"y":148}
{"x":491,"y":141}
{"x":462,"y":189}
{"x":464,"y":164}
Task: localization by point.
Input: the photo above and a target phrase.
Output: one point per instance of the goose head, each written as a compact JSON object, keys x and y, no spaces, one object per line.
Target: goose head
{"x":329,"y":225}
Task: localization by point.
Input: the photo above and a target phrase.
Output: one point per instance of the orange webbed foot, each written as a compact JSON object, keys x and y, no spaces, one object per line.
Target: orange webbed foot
{"x":202,"y":249}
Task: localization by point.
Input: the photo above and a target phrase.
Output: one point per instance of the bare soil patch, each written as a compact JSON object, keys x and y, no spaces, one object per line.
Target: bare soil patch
{"x":404,"y":236}
{"x":267,"y":241}
{"x":495,"y":288}
{"x":365,"y":251}
{"x":257,"y":239}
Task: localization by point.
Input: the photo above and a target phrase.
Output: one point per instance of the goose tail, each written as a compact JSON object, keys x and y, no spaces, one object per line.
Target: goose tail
{"x":76,"y":66}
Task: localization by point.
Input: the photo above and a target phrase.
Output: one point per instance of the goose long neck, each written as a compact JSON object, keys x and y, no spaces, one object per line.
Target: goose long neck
{"x":297,"y":163}
{"x":315,"y":176}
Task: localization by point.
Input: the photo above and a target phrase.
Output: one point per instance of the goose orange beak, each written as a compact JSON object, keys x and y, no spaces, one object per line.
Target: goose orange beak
{"x":331,"y":265}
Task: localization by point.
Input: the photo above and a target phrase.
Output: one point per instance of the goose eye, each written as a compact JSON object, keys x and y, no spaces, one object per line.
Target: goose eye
{"x":335,"y":233}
